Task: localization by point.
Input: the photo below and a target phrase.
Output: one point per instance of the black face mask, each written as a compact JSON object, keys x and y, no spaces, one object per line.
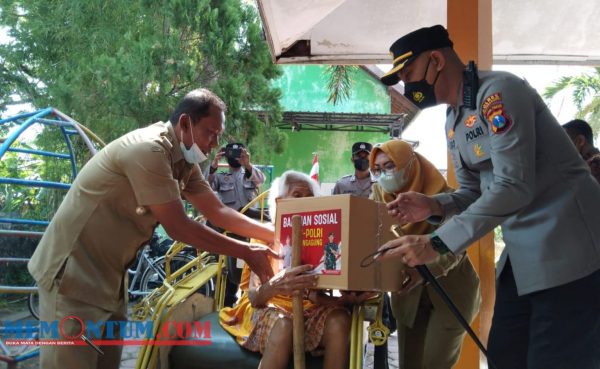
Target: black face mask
{"x":234,"y":163}
{"x":421,"y":93}
{"x":361,"y":164}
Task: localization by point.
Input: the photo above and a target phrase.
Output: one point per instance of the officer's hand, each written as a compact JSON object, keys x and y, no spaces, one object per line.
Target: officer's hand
{"x":245,"y":158}
{"x":258,"y":258}
{"x":411,"y":207}
{"x":411,"y":250}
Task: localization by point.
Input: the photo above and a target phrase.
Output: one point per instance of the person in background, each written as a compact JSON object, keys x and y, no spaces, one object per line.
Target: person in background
{"x":261,"y":320}
{"x":236,"y":187}
{"x":429,"y":336}
{"x":240,"y":183}
{"x":581,"y":134}
{"x":359,"y":183}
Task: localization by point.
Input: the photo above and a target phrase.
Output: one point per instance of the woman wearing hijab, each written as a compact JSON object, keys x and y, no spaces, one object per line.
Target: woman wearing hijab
{"x":429,"y":336}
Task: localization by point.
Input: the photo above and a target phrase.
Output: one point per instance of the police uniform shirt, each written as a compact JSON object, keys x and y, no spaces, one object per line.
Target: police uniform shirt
{"x":235,"y":189}
{"x":349,"y":184}
{"x":517,"y":167}
{"x":103,"y":220}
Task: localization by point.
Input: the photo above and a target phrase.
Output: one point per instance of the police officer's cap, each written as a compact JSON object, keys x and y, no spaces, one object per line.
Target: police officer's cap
{"x":408,"y":47}
{"x":361,"y":146}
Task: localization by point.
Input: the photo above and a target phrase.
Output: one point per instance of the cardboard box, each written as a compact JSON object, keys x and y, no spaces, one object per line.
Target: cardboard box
{"x":355,"y":226}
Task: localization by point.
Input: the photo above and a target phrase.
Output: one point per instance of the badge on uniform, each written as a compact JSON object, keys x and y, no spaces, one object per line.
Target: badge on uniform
{"x":478,"y":150}
{"x":493,"y":111}
{"x":470,"y":121}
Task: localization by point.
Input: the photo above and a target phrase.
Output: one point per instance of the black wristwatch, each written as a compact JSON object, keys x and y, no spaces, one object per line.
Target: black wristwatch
{"x":438,"y":245}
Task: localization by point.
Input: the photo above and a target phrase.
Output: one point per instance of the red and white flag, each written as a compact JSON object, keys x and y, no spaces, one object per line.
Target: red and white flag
{"x":314,"y":171}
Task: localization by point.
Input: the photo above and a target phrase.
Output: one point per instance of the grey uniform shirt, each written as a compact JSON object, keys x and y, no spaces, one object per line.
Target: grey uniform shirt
{"x":517,"y":167}
{"x":235,"y":189}
{"x":352,"y":185}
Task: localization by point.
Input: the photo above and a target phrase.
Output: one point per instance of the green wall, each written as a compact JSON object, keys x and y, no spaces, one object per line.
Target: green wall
{"x":333,"y":149}
{"x":304,"y":88}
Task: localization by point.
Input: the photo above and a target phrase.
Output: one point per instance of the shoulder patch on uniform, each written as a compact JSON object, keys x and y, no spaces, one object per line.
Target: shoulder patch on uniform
{"x":493,"y":111}
{"x":470,"y":121}
{"x":491,"y":103}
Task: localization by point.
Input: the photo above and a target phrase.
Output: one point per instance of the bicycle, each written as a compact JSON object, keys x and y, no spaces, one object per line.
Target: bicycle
{"x":150,"y":268}
{"x":147,"y":272}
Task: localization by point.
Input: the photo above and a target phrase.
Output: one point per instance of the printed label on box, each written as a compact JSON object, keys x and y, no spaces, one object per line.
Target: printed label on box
{"x":321,"y":240}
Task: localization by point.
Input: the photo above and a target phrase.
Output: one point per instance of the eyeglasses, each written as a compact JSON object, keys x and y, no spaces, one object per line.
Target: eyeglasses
{"x":387,"y":168}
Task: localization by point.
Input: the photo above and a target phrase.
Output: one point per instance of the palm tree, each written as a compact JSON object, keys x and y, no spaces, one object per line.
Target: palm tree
{"x":584,"y":86}
{"x":340,"y":82}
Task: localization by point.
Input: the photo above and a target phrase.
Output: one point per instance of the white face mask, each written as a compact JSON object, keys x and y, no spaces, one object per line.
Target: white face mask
{"x":392,"y":183}
{"x":193,"y":155}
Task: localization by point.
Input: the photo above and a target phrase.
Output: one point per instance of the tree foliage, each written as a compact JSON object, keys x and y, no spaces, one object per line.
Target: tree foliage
{"x":117,"y":65}
{"x":340,"y":81}
{"x":585,"y":93}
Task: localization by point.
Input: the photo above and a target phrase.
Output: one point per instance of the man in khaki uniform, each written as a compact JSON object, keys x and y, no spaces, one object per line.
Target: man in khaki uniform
{"x":120,"y":195}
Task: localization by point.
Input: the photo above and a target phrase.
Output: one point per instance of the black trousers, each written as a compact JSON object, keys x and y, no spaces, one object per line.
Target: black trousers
{"x":557,"y":328}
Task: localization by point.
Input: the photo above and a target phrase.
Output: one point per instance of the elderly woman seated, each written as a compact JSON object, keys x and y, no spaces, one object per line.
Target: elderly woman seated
{"x":261,"y":319}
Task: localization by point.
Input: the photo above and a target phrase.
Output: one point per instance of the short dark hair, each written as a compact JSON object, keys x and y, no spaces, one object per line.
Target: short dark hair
{"x":579,"y":127}
{"x":197,"y":105}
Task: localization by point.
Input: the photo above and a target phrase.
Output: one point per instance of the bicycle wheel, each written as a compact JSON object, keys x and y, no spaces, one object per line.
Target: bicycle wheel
{"x":154,"y":275}
{"x":33,"y":304}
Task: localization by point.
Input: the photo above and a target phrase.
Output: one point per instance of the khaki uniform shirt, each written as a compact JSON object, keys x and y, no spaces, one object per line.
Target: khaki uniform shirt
{"x":352,"y":185}
{"x":235,"y":189}
{"x":516,"y":167}
{"x":103,"y":221}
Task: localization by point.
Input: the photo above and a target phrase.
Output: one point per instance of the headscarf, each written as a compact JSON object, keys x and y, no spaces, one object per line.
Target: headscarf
{"x":422,"y":177}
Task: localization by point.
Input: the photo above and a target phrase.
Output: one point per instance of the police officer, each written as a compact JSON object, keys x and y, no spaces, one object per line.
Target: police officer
{"x":239,"y":185}
{"x":111,"y":210}
{"x":359,"y":183}
{"x":236,"y":188}
{"x":516,"y":168}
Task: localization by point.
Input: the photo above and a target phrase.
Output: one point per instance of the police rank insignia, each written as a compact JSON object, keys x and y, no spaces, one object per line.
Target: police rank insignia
{"x":478,"y":151}
{"x":470,"y":121}
{"x":451,"y":134}
{"x":493,"y":111}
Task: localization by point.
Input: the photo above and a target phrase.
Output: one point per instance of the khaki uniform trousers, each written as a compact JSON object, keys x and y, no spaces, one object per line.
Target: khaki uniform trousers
{"x":55,"y":307}
{"x":433,"y":342}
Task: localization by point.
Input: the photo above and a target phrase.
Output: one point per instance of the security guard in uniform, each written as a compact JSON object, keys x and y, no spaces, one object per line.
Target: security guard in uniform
{"x":111,"y":210}
{"x":517,"y":168}
{"x":359,"y":183}
{"x":239,"y":185}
